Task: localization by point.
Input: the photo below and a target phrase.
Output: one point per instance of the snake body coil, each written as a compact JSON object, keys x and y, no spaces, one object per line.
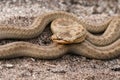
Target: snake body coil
{"x":86,"y":48}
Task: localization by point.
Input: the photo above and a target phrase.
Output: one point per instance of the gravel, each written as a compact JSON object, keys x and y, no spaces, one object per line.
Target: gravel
{"x":21,"y":13}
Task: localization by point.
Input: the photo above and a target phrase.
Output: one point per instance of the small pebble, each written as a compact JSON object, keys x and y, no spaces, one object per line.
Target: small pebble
{"x":9,"y":65}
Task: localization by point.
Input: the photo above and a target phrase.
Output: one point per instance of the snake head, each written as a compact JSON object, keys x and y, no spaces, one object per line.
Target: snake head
{"x":69,"y":36}
{"x":67,"y":31}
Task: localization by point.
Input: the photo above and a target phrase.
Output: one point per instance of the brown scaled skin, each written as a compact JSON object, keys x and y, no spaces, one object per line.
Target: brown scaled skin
{"x":85,"y":48}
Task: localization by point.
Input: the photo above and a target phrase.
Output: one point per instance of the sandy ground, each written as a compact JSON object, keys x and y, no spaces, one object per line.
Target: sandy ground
{"x":69,"y":67}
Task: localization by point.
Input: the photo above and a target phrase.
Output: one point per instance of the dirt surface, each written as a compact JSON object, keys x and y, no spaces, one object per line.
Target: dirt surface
{"x":21,"y":13}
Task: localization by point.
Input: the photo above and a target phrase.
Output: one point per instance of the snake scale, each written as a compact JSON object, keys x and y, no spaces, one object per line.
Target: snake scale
{"x":105,"y":46}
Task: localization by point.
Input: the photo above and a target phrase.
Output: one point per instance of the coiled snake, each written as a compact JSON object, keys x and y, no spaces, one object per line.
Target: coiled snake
{"x":105,"y":46}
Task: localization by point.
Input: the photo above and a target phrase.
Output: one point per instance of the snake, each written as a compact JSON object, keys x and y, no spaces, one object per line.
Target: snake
{"x":55,"y":50}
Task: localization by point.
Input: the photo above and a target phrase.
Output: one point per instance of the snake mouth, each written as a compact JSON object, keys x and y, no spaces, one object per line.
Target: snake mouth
{"x":63,"y":41}
{"x":54,"y":38}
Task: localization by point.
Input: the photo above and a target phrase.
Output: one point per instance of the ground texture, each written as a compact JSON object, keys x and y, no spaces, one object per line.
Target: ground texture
{"x":69,"y":67}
